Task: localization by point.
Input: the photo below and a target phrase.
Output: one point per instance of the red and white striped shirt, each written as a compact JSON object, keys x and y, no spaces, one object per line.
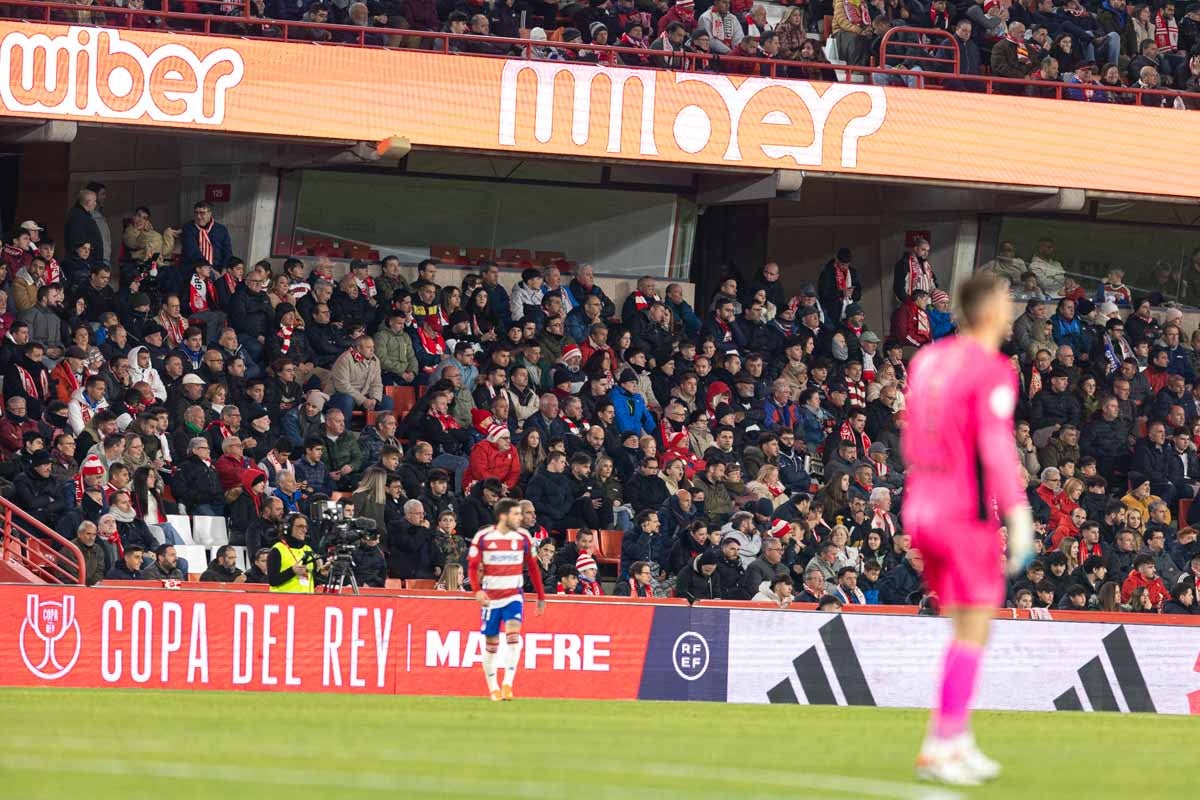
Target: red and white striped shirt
{"x":503,"y":557}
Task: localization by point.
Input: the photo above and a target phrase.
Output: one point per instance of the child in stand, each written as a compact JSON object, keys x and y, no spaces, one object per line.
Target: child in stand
{"x":1114,"y":290}
{"x":1029,"y":288}
{"x":568,"y":581}
{"x":585,"y":565}
{"x":941,"y":321}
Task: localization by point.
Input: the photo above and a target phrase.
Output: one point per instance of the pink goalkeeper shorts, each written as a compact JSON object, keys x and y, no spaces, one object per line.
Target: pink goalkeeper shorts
{"x":963,"y":562}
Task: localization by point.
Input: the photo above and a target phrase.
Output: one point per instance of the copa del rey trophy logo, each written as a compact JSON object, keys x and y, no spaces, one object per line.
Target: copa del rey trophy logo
{"x":49,"y":639}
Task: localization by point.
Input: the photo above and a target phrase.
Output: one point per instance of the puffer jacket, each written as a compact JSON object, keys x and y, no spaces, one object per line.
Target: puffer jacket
{"x":550,"y":493}
{"x":342,"y":451}
{"x":521,"y":297}
{"x":395,"y":352}
{"x":488,"y":461}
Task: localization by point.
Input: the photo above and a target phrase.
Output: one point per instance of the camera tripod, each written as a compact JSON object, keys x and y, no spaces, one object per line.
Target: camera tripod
{"x":341,"y":574}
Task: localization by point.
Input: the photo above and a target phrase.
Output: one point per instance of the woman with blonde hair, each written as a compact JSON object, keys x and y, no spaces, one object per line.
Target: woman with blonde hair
{"x":370,"y":496}
{"x":1066,"y":501}
{"x":766,"y":484}
{"x":451,"y":580}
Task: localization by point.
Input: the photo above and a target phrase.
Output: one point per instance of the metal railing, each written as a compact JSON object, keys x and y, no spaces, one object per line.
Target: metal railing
{"x":28,"y":544}
{"x":242,"y":22}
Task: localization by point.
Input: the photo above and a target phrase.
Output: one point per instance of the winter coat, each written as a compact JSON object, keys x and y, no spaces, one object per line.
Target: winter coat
{"x":488,"y":461}
{"x":250,"y":313}
{"x":522,"y":299}
{"x":901,"y":586}
{"x":342,"y":451}
{"x":632,"y":416}
{"x":395,"y":352}
{"x":196,"y":483}
{"x":694,"y":585}
{"x":411,"y":551}
{"x":372,"y":445}
{"x":361,"y":379}
{"x":642,"y":492}
{"x":731,"y":574}
{"x":641,"y":546}
{"x":550,"y":493}
{"x":758,"y":572}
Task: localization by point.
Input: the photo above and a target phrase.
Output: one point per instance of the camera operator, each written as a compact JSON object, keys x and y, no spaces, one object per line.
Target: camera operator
{"x":370,"y":565}
{"x":291,"y":565}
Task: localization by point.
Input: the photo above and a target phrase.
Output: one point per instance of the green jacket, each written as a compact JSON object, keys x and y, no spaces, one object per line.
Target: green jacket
{"x":717,"y":502}
{"x":342,"y":451}
{"x":387,"y":287}
{"x":395,"y":352}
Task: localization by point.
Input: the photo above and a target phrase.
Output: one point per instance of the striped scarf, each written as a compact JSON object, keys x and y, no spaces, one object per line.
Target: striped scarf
{"x":32,"y":387}
{"x":198,"y":294}
{"x":173,"y":327}
{"x":920,"y":276}
{"x":1022,"y":54}
{"x":285,"y":339}
{"x":204,"y":241}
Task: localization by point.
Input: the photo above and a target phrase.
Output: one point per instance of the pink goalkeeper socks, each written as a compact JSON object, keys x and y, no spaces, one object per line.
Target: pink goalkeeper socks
{"x":959,"y":670}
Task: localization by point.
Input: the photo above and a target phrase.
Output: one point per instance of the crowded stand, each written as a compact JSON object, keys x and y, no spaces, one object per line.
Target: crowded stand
{"x":1109,"y":51}
{"x":741,"y":447}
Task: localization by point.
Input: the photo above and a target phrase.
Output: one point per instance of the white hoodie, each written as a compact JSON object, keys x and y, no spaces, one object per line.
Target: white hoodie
{"x":149,"y":374}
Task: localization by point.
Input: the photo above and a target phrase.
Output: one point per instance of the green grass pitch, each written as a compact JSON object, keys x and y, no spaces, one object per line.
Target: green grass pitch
{"x":124,"y":744}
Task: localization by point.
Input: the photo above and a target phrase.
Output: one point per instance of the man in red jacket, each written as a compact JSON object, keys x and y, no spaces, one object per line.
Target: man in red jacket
{"x":495,"y":457}
{"x":1144,"y":573}
{"x":910,"y":322}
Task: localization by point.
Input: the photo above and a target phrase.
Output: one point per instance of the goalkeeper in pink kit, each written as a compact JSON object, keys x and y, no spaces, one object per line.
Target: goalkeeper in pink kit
{"x":963,"y":483}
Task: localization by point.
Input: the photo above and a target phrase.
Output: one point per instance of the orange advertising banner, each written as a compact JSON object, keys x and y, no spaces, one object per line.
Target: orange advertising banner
{"x":335,"y":92}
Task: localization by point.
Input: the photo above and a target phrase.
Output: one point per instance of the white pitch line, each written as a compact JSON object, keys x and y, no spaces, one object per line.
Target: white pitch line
{"x":376,"y":781}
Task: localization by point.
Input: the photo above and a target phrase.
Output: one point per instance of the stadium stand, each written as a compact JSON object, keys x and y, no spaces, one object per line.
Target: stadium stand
{"x":688,"y":439}
{"x":1093,"y":52}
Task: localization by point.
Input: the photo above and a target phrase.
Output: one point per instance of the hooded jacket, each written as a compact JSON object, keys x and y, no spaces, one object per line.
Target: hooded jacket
{"x":489,"y":461}
{"x":149,"y":374}
{"x":694,"y":585}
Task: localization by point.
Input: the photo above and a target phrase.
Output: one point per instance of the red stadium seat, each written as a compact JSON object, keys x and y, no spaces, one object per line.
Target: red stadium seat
{"x":394,"y":583}
{"x":1184,"y":506}
{"x":478,"y":254}
{"x":610,"y":547}
{"x":418,"y":583}
{"x":444,"y":252}
{"x":572,"y":534}
{"x":403,"y":399}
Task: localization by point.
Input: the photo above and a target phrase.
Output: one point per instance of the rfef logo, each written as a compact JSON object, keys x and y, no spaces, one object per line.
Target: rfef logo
{"x":93,"y":72}
{"x":690,"y":656}
{"x":54,"y":624}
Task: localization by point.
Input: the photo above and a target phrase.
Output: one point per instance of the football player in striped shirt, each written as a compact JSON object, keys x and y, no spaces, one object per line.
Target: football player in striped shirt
{"x":496,"y":562}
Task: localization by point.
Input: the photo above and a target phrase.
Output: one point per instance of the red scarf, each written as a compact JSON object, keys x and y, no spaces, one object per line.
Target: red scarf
{"x":434,"y":344}
{"x":231,"y":283}
{"x":574,"y":428}
{"x":1085,"y":552}
{"x":919,"y":274}
{"x":173,"y":327}
{"x":881,"y":468}
{"x":1035,"y":382}
{"x":847,"y":434}
{"x":204,"y":241}
{"x":358,"y":357}
{"x":223,"y":428}
{"x":841,"y":273}
{"x":726,"y":334}
{"x":883,"y":522}
{"x":31,"y":387}
{"x":448,"y":422}
{"x":775,"y":491}
{"x":285,"y":339}
{"x":201,"y":294}
{"x":367,"y":286}
{"x":1022,"y":55}
{"x":53,"y":272}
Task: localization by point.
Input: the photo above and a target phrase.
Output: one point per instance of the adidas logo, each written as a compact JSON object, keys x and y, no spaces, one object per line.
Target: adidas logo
{"x":1097,"y":687}
{"x":815,"y":683}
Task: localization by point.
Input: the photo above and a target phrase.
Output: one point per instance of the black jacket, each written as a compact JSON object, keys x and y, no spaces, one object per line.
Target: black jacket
{"x":829,"y":296}
{"x":370,"y":566}
{"x":550,"y":493}
{"x":81,"y":227}
{"x":1052,"y":408}
{"x":136,"y":532}
{"x":250,"y":313}
{"x":41,"y":497}
{"x":900,"y":587}
{"x":694,"y":585}
{"x":642,"y":492}
{"x":259,"y":534}
{"x":1154,"y":463}
{"x":730,"y":574}
{"x":196,"y":483}
{"x":217,"y":573}
{"x":120,"y":572}
{"x":413,"y":475}
{"x":411,"y":551}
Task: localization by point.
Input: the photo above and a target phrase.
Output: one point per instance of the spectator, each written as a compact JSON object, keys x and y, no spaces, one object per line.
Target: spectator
{"x":204,"y":240}
{"x":1144,"y":576}
{"x":223,"y":568}
{"x":97,"y":559}
{"x":165,"y":566}
{"x":129,"y":566}
{"x":902,"y":586}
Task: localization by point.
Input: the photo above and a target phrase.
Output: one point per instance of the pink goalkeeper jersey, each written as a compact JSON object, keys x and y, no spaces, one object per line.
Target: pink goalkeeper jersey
{"x":958,"y":442}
